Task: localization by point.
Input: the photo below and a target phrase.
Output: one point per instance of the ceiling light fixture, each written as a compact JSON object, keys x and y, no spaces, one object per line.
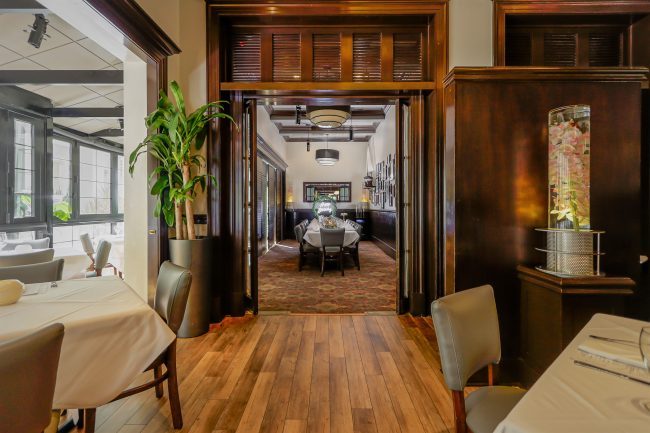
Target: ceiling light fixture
{"x":308,"y":138}
{"x":351,"y":129}
{"x":327,"y":156}
{"x":38,"y":32}
{"x":329,"y":117}
{"x":298,"y":115}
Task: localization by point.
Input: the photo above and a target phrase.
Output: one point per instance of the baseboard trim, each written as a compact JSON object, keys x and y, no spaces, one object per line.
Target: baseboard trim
{"x":387,"y":249}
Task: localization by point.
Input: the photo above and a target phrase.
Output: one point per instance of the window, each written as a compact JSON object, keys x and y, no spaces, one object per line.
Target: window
{"x":23,"y":169}
{"x":61,"y":180}
{"x":68,"y":235}
{"x":94,"y":181}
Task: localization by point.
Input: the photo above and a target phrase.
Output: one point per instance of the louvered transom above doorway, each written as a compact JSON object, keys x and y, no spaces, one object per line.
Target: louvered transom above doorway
{"x":328,"y":54}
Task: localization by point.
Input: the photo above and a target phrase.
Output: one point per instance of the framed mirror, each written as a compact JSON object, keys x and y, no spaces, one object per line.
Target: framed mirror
{"x":340,"y":191}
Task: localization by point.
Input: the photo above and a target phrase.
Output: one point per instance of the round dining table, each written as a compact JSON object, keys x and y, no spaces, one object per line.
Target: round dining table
{"x":111,"y":335}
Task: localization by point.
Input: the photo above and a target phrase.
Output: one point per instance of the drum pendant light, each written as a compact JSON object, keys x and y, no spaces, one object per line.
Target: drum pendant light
{"x":329,"y":117}
{"x":327,"y":156}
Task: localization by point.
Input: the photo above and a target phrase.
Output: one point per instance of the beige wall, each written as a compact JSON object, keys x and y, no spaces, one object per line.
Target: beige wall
{"x":470,"y":33}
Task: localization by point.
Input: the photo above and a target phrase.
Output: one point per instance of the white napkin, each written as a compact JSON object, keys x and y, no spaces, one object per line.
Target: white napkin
{"x":625,"y":353}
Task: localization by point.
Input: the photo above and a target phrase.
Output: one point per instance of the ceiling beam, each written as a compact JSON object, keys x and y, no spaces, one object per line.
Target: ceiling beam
{"x":110,"y":132}
{"x":295,"y":129}
{"x":62,"y":77}
{"x":106,"y":113}
{"x":22,"y":7}
{"x":362,"y":139}
{"x":356,"y":114}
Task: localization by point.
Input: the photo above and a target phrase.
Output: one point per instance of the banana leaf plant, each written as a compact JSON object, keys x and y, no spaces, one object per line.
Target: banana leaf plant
{"x":174,"y":140}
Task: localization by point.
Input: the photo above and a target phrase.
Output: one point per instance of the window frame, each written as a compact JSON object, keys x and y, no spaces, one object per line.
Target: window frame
{"x":77,"y":218}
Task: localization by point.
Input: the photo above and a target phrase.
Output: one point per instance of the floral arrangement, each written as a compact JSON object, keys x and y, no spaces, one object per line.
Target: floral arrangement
{"x":569,"y":181}
{"x":329,"y":223}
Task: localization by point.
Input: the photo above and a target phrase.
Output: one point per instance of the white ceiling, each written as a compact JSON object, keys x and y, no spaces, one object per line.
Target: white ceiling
{"x":65,"y":49}
{"x":333,"y":136}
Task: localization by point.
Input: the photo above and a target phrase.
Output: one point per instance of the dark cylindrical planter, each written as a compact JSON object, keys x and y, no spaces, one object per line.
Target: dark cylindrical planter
{"x":197,"y":256}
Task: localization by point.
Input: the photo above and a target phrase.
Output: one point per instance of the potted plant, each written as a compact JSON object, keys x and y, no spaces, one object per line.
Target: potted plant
{"x":174,"y":140}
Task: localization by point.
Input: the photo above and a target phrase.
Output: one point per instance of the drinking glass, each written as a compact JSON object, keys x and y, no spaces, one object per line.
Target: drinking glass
{"x":644,"y":345}
{"x":3,"y":240}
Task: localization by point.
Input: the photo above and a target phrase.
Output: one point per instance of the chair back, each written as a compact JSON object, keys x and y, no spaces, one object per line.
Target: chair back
{"x":467,"y":329}
{"x":36,"y":273}
{"x":28,"y":258}
{"x":172,"y":291}
{"x":101,"y":257}
{"x":36,"y":244}
{"x":298,"y":231}
{"x":332,"y":237}
{"x":87,"y":244}
{"x":28,"y":367}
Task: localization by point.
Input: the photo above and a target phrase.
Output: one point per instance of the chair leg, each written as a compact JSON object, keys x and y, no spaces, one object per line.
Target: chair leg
{"x":341,"y":262}
{"x":157,"y":372}
{"x":322,"y":264}
{"x":172,"y":387}
{"x":89,"y":420}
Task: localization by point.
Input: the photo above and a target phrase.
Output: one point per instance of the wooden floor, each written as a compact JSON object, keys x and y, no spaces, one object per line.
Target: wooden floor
{"x":297,"y":374}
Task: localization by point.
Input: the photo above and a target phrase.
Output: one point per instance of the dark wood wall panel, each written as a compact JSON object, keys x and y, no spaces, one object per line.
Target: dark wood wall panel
{"x":496,"y":173}
{"x":384,"y":230}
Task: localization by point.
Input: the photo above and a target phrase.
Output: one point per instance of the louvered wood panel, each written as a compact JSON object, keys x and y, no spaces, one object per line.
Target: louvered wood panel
{"x":366,"y":57}
{"x":560,"y":49}
{"x":246,"y":57}
{"x":326,"y":57}
{"x":286,"y":57}
{"x":604,"y":49}
{"x":407,"y":57}
{"x":518,"y":49}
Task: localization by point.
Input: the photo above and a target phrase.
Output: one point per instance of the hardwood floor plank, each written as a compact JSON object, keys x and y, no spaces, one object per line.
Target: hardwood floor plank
{"x":340,"y":408}
{"x":364,"y":421}
{"x":208,"y":417}
{"x":359,"y":397}
{"x":366,"y":349}
{"x":385,"y":417}
{"x":295,"y":426}
{"x":300,"y":388}
{"x":318,"y":420}
{"x":336,"y":337}
{"x":251,"y":420}
{"x":378,"y":342}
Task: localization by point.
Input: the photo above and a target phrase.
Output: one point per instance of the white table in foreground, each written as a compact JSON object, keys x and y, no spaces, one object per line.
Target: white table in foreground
{"x":111,"y":336}
{"x":313,"y":237}
{"x":571,"y":399}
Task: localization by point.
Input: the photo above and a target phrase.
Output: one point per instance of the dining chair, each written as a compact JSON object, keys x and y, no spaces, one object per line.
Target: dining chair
{"x":87,"y":245}
{"x":28,"y":367}
{"x":172,"y":290}
{"x":353,"y":249}
{"x":303,"y":246}
{"x":36,"y":244}
{"x":332,"y":246}
{"x":101,"y":259}
{"x":28,"y":258}
{"x":36,"y":273}
{"x":467,"y":330}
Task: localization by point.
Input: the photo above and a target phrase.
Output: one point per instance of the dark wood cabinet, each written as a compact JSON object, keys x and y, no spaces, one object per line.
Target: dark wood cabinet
{"x":555,"y":309}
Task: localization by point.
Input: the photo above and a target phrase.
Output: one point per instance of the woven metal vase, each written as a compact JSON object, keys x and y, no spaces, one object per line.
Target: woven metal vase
{"x":570,"y":252}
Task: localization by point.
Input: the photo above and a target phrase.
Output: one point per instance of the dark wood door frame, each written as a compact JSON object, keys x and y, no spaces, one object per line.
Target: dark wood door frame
{"x":505,"y":8}
{"x":147,"y":40}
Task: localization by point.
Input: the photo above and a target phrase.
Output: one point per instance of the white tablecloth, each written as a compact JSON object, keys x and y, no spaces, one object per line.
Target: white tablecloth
{"x":111,"y":335}
{"x":571,"y":399}
{"x":313,"y":236}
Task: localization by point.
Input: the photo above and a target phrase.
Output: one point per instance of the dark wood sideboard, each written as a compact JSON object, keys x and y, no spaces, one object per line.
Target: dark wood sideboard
{"x":554,"y":309}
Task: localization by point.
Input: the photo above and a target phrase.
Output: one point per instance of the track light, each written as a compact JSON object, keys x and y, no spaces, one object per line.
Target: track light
{"x":308,"y":144}
{"x":121,"y":122}
{"x":298,"y":115}
{"x":38,"y":32}
{"x":351,"y":128}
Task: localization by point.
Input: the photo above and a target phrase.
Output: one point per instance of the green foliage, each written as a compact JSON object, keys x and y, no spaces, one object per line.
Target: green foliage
{"x":174,"y":135}
{"x":62,"y":211}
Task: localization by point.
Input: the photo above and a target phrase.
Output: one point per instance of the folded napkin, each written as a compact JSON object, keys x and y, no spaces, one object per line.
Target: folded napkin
{"x":623,"y":352}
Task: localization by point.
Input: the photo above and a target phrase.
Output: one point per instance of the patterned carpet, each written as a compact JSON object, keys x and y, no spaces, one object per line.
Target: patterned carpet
{"x":283,"y":288}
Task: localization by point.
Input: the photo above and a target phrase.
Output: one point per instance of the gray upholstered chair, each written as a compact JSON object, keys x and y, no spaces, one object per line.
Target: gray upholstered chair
{"x":172,"y":290}
{"x":36,"y":273}
{"x":332,"y":246}
{"x":353,"y":249}
{"x":36,"y":244}
{"x":467,"y":329}
{"x":28,"y":367}
{"x":304,"y":246}
{"x":87,"y":245}
{"x":29,"y":258}
{"x":101,"y":259}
